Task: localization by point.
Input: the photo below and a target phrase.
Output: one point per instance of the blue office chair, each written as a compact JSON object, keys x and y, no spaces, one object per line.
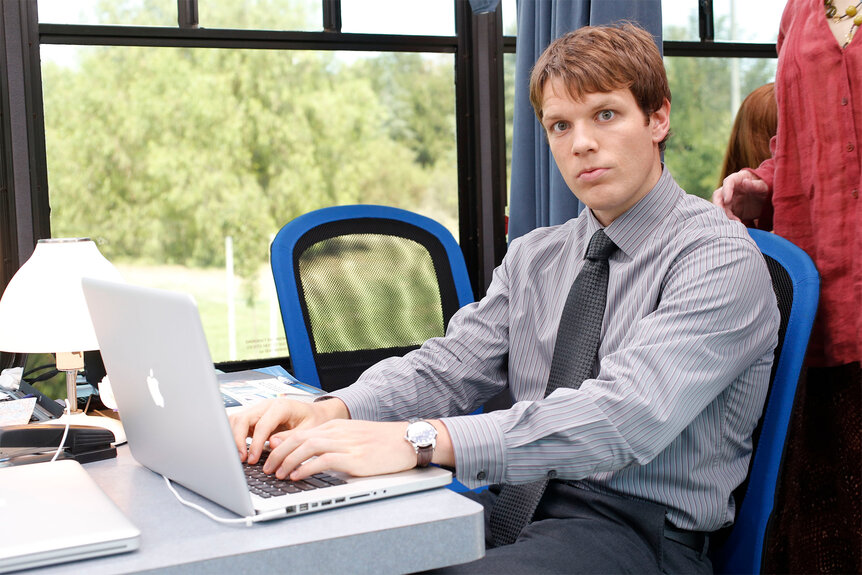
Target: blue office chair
{"x":360,"y":283}
{"x":797,"y":288}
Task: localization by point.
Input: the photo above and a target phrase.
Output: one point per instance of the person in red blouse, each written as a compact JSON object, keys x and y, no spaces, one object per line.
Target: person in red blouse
{"x":808,"y":192}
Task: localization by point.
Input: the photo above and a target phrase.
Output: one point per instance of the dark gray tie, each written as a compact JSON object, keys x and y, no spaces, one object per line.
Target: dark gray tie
{"x":574,"y":355}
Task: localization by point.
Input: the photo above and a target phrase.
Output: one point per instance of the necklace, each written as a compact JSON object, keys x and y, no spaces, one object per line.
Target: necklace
{"x":850,"y":12}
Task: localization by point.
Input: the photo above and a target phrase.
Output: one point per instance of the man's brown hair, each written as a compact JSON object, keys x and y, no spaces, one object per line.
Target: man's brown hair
{"x":603,"y":59}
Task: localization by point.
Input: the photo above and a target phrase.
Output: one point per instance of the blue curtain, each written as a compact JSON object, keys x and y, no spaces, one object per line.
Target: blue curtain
{"x":539,"y":196}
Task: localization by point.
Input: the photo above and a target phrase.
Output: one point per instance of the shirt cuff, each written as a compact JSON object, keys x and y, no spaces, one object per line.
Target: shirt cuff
{"x":480,"y":458}
{"x":361,"y":402}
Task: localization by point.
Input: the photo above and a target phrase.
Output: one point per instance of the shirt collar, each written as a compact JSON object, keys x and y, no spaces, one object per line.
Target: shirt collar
{"x":631,"y":230}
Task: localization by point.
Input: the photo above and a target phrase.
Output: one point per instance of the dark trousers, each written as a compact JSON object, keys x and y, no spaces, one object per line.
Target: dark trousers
{"x":578,"y":531}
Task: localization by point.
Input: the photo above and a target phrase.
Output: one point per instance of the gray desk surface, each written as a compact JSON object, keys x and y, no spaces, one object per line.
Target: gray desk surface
{"x":396,"y":535}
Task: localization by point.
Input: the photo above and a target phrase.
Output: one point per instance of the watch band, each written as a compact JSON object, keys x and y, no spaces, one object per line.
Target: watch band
{"x":424,"y":455}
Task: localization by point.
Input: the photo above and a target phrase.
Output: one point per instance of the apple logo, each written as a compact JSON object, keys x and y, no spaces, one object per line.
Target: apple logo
{"x":153,"y":386}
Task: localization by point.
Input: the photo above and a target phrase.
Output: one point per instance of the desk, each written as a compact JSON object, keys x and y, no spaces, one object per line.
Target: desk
{"x":396,"y":535}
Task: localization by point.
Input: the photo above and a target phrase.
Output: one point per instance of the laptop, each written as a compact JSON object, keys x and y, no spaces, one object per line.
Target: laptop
{"x":55,"y":513}
{"x":167,"y":394}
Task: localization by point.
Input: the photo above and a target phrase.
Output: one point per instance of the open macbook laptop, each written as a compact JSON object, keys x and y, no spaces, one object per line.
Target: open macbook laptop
{"x":167,"y":393}
{"x":54,"y":512}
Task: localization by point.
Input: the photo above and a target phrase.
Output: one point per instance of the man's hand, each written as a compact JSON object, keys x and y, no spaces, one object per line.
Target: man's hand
{"x":263,"y":419}
{"x":358,"y":448}
{"x":742,"y":196}
{"x":307,"y":438}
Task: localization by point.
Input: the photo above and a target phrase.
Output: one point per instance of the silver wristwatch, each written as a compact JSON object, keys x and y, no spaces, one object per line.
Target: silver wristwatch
{"x":423,"y":437}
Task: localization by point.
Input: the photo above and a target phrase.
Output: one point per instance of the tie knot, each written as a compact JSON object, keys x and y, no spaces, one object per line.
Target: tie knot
{"x":601,"y":247}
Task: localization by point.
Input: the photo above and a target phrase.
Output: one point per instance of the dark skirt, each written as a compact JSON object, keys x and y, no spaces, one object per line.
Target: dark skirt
{"x":817,"y":525}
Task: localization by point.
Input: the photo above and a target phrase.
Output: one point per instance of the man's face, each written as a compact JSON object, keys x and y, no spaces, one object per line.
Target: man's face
{"x":605,"y":148}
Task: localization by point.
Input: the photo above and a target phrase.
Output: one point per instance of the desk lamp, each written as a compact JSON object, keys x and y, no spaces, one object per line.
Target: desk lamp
{"x":43,"y":311}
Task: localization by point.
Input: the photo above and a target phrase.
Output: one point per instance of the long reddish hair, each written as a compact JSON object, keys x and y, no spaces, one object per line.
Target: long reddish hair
{"x":755,"y":124}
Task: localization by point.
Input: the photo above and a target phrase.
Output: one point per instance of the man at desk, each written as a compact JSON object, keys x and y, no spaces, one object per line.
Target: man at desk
{"x":622,"y":448}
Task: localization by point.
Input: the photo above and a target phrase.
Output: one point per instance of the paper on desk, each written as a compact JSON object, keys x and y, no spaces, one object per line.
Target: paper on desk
{"x":248,"y":387}
{"x":16,"y":411}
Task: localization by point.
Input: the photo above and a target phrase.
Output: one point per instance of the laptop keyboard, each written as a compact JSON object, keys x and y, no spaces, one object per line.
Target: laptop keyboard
{"x":267,"y":486}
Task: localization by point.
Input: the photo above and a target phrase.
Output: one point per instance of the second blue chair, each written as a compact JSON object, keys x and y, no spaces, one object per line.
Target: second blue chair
{"x":797,"y":289}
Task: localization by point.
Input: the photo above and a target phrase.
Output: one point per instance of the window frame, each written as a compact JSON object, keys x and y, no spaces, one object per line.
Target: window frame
{"x":478,"y":46}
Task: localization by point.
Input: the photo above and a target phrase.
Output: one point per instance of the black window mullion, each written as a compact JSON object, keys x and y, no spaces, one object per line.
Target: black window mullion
{"x":706,"y":20}
{"x":331,"y":15}
{"x":187,"y":14}
{"x":481,"y":142}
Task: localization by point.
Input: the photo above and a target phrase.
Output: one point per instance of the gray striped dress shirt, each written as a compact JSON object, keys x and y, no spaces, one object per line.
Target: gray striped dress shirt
{"x":684,"y":363}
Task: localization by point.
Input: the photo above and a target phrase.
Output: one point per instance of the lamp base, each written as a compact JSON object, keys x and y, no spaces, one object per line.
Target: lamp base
{"x":80,"y":418}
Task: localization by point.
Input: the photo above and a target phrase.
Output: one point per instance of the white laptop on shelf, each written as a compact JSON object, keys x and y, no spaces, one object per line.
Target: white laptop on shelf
{"x":54,"y":512}
{"x":168,"y":397}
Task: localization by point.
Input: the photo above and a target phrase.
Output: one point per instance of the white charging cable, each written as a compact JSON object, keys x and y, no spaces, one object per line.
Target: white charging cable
{"x":65,"y":431}
{"x":247,"y":520}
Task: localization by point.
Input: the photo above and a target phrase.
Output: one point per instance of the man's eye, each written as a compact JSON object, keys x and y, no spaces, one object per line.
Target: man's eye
{"x":559,"y":126}
{"x":606,"y":115}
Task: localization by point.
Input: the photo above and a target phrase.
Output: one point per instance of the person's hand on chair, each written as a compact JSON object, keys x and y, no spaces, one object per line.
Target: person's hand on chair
{"x":742,"y":196}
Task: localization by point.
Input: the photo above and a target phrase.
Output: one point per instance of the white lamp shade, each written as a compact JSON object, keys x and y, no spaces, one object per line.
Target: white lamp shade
{"x":43,"y":309}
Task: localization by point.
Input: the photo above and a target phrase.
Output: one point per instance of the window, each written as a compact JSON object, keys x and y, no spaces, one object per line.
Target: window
{"x":708,"y":80}
{"x":89,"y":12}
{"x":413,"y":17}
{"x":733,"y":20}
{"x":183,"y":163}
{"x":702,"y":114}
{"x":181,"y":134}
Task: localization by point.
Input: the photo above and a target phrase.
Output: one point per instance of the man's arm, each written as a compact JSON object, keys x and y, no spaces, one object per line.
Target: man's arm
{"x":319,"y":436}
{"x":356,"y":447}
{"x":447,"y":375}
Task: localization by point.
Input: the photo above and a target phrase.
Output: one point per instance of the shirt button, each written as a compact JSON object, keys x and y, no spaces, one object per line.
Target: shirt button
{"x":850,"y":147}
{"x":854,"y":193}
{"x":843,"y":101}
{"x":552,"y":474}
{"x":481,"y":475}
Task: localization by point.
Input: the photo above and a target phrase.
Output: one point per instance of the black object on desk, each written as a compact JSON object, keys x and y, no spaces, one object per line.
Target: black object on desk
{"x":31,"y":443}
{"x":45,"y":408}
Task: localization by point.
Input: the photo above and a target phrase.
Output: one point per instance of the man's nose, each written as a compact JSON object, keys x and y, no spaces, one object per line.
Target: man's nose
{"x":583,"y":139}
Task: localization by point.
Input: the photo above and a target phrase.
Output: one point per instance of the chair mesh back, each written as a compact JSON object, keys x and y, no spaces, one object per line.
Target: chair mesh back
{"x":370,"y":289}
{"x":782,"y":285}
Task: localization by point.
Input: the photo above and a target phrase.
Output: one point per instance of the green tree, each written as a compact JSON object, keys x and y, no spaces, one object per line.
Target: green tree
{"x":413,"y":109}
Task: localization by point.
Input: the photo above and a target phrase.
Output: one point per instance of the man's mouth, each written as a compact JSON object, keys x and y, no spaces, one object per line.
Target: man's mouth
{"x":590,"y":174}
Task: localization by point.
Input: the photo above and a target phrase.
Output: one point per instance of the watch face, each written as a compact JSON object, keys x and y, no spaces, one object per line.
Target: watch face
{"x":421,"y":433}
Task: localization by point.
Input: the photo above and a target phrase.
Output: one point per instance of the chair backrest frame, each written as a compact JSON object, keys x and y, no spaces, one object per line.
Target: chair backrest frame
{"x":287,"y":283}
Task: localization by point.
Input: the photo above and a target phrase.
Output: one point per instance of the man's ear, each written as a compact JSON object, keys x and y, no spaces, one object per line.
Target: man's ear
{"x":660,"y":122}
